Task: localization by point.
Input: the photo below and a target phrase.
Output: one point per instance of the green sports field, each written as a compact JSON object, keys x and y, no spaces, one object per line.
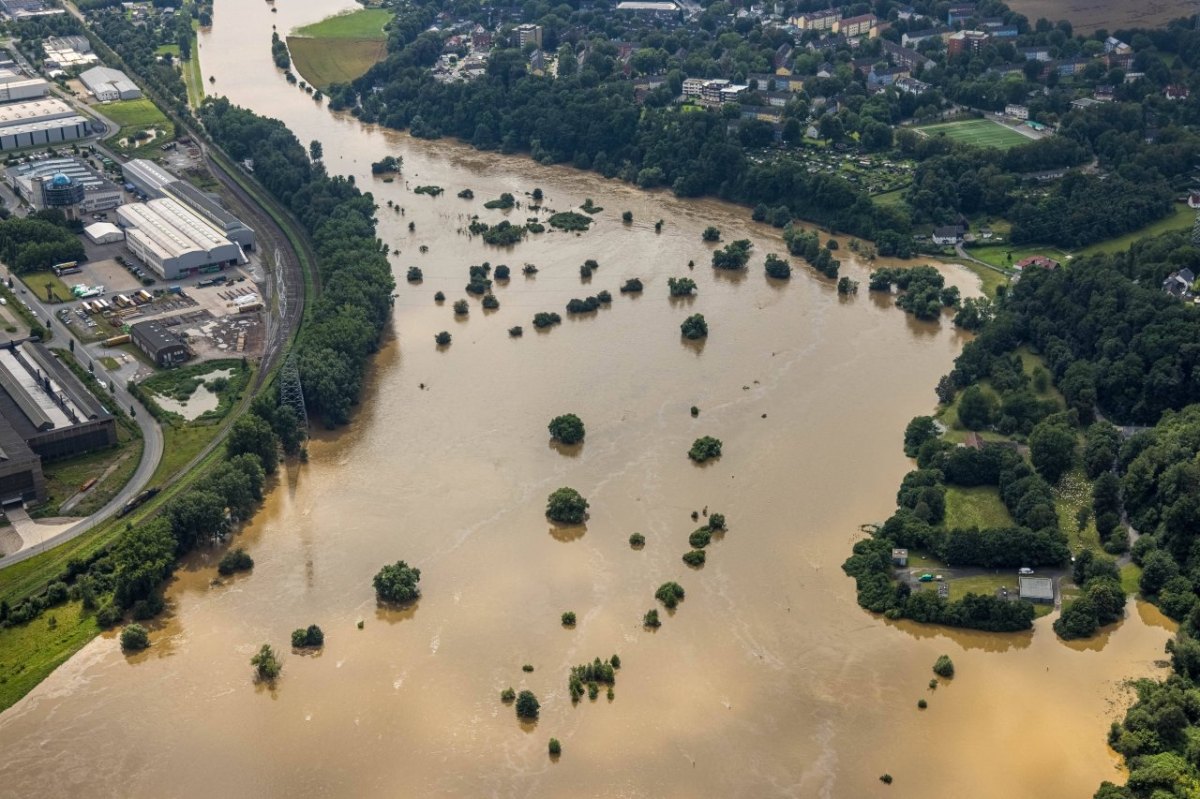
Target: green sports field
{"x":979,"y":132}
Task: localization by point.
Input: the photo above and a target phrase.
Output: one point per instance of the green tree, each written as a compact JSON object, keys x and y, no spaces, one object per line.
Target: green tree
{"x":976,"y":408}
{"x":1158,"y":568}
{"x":1052,"y":448}
{"x":134,"y":638}
{"x":266,"y":664}
{"x":253,"y":434}
{"x":566,"y":506}
{"x":919,"y":430}
{"x":528,"y":706}
{"x":694,"y":327}
{"x":669,"y":594}
{"x":944,"y":666}
{"x":704,"y":448}
{"x":397,"y":583}
{"x":567,"y":428}
{"x":711,"y":234}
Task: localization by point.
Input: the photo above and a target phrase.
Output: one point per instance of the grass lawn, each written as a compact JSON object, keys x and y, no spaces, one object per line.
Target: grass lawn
{"x":323,"y":62}
{"x":163,"y":49}
{"x":135,"y":116}
{"x":1074,"y":491}
{"x":890,"y":198}
{"x":365,"y":23}
{"x":36,"y":281}
{"x":28,"y":653}
{"x":180,"y":445}
{"x":65,"y":477}
{"x":989,"y":279}
{"x":977,"y":132}
{"x":997,"y":254}
{"x":978,"y":506}
{"x":1131,"y":573}
{"x":1030,"y":361}
{"x":1182,"y":218}
{"x":109,"y":362}
{"x":340,"y":48}
{"x":983,"y":584}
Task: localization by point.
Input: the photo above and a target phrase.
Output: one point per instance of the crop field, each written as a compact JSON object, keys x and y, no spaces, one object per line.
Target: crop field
{"x":323,"y":62}
{"x":979,"y":132}
{"x":366,"y":23}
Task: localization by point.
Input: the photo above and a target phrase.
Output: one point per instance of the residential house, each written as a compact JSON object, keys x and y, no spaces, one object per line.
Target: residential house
{"x":711,"y":93}
{"x":912,"y":86}
{"x":911,"y":38}
{"x":950,"y":234}
{"x":905,"y":57}
{"x":909,"y":14}
{"x":817,"y":20}
{"x":733,"y":92}
{"x":862,"y":25}
{"x":1038,"y":261}
{"x":1016,"y":111}
{"x":886,"y":77}
{"x":1084,"y":103}
{"x":966,"y":42}
{"x":1071,"y":66}
{"x":1193,"y":199}
{"x":783,"y":57}
{"x":1176,"y":91}
{"x":1179,"y":284}
{"x":960,"y":13}
{"x":693,"y":87}
{"x":899,"y":557}
{"x":1040,"y":53}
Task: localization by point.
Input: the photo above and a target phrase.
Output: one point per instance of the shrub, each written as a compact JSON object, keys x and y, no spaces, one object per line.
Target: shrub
{"x":568,"y":619}
{"x":312,"y":636}
{"x":461,"y":308}
{"x":134,"y":638}
{"x":415,"y":275}
{"x":944,"y":667}
{"x":546,"y":319}
{"x":732,"y":256}
{"x":777,"y":267}
{"x":711,"y":234}
{"x":627,"y":217}
{"x":585,"y":271}
{"x":700,"y":538}
{"x":921,"y":703}
{"x":632,"y":285}
{"x":108,"y":615}
{"x":886,"y":779}
{"x":508,"y":695}
{"x":615,"y":661}
{"x":605,"y":297}
{"x":490,"y":302}
{"x":439,"y":297}
{"x":637,"y":540}
{"x":502,"y":272}
{"x":704,"y":448}
{"x":566,"y":506}
{"x":516,"y":331}
{"x":527,"y":705}
{"x":694,"y":327}
{"x":577,"y":305}
{"x":651,"y":618}
{"x":680,"y":286}
{"x":443,"y":339}
{"x":694,"y":558}
{"x":567,"y":428}
{"x":695,"y":411}
{"x":397,"y":583}
{"x":716,"y":521}
{"x":528,"y":667}
{"x":235,"y":560}
{"x":847,"y":286}
{"x":555,"y":747}
{"x":266,"y":664}
{"x":669,"y":594}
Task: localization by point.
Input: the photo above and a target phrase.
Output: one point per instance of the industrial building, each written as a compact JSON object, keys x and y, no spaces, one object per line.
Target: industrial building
{"x":21,"y":476}
{"x":173,"y":240}
{"x":68,"y":53}
{"x":152,"y":180}
{"x":14,"y":86}
{"x":66,"y":183}
{"x":39,"y":122}
{"x":159,"y":344}
{"x":24,"y":9}
{"x":104,"y":233}
{"x":48,"y":407}
{"x":107,"y":84}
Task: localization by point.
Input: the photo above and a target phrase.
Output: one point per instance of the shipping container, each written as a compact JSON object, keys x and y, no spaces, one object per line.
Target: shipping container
{"x":117,"y":341}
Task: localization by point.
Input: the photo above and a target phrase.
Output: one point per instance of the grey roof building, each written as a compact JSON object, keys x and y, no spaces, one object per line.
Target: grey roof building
{"x":1037,"y":589}
{"x":159,"y":343}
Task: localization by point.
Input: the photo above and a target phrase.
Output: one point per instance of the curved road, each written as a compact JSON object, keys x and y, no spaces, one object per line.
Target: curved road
{"x":152,"y":435}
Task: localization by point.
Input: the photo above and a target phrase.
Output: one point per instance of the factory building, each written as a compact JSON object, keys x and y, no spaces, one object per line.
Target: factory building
{"x":48,"y":407}
{"x":24,"y":9}
{"x":65,"y":183}
{"x":160,"y":344}
{"x":173,"y":240}
{"x":68,"y":53}
{"x":39,"y":122}
{"x":14,"y":86}
{"x":152,"y":180}
{"x":107,"y":84}
{"x":21,"y":476}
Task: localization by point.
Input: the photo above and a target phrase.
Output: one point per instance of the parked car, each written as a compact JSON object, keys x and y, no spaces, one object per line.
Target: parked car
{"x":1025,"y":570}
{"x":926,"y":578}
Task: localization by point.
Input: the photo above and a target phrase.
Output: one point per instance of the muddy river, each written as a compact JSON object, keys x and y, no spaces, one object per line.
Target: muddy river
{"x":767,"y":681}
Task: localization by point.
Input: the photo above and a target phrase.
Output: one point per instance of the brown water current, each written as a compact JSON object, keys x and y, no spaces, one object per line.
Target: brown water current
{"x":767,"y":681}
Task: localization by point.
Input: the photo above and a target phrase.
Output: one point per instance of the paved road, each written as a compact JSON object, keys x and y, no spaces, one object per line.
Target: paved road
{"x":152,"y":435}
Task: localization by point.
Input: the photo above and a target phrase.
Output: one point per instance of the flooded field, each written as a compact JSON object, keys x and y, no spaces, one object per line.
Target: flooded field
{"x":768,"y":680}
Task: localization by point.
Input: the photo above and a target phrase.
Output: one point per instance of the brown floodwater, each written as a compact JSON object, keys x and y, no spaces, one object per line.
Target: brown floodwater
{"x":767,"y":681}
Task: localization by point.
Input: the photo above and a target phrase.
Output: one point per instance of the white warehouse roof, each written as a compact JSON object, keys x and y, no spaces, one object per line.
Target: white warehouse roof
{"x":98,"y":79}
{"x":171,"y":229}
{"x":101,"y":232}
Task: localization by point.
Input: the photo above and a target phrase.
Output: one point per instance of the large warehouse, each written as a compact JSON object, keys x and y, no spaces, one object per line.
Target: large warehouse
{"x":39,"y":122}
{"x":173,"y":240}
{"x":15,"y":86}
{"x":47,"y":406}
{"x":66,"y":183}
{"x":154,"y":181}
{"x":108,"y":84}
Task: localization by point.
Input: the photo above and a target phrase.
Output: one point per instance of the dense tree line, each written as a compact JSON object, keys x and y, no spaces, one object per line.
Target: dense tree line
{"x":38,"y":242}
{"x":356,"y":279}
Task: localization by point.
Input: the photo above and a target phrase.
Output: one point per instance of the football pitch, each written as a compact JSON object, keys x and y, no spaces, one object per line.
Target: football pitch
{"x":978,"y":132}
